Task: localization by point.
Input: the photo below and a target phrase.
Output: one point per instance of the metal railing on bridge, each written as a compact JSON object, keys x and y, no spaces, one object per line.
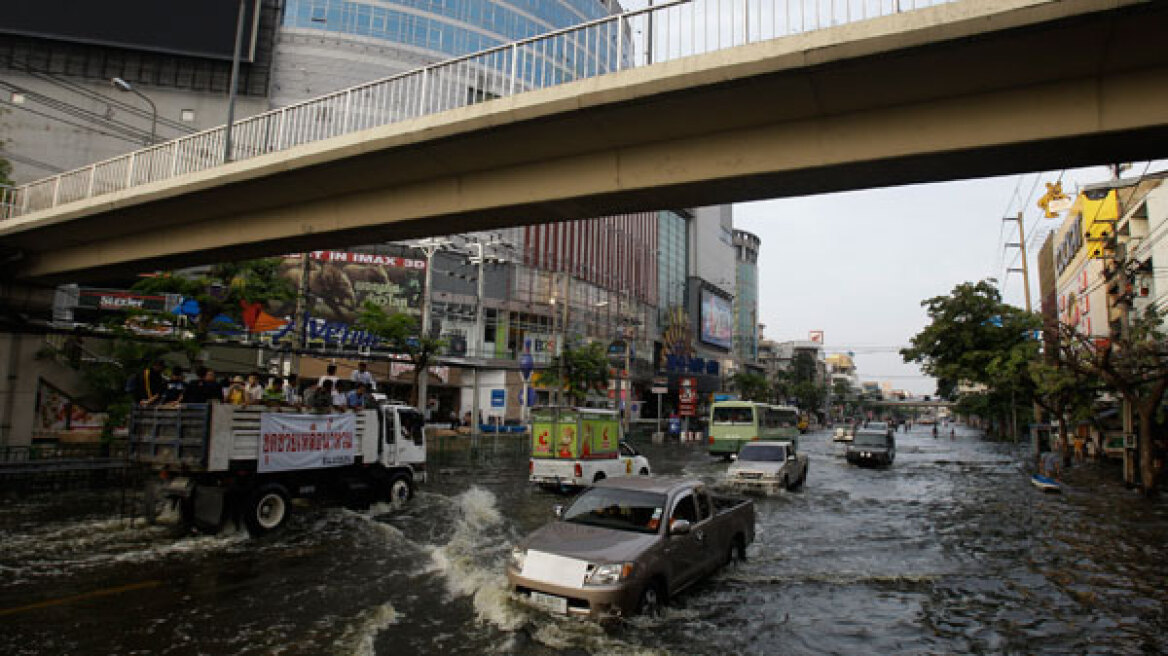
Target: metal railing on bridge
{"x":668,"y":31}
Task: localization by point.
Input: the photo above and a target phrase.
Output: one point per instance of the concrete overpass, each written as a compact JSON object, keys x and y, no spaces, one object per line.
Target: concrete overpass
{"x":955,"y":91}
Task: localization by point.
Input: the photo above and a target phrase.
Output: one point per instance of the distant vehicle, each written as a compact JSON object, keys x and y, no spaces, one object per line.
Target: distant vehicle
{"x":878,"y":426}
{"x":218,"y":461}
{"x":766,"y":468}
{"x":628,"y":545}
{"x":844,"y":434}
{"x":872,"y":447}
{"x":576,"y":447}
{"x":734,"y":423}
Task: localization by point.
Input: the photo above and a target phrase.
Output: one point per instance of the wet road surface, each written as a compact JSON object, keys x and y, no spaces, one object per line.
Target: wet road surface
{"x":948,"y":551}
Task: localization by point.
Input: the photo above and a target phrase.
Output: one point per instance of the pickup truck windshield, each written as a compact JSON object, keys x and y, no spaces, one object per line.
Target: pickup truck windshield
{"x":762,"y":453}
{"x":623,"y":510}
{"x":863,"y":439}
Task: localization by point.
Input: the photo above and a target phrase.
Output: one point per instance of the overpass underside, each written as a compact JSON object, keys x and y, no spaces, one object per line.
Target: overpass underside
{"x":959,"y":91}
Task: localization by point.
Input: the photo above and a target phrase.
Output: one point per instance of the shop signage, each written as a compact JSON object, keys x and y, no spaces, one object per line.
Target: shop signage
{"x":687,"y":396}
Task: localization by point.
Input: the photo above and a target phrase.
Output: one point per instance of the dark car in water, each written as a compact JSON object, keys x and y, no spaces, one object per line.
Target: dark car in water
{"x":872,"y":446}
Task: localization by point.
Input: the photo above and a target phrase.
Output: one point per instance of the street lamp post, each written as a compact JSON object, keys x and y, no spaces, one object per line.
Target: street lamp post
{"x":122,"y":85}
{"x":234,"y":83}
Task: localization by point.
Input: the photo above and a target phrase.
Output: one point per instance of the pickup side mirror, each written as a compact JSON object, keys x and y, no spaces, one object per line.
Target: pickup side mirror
{"x":558,"y":510}
{"x":733,"y":457}
{"x":679,"y":527}
{"x":791,"y":456}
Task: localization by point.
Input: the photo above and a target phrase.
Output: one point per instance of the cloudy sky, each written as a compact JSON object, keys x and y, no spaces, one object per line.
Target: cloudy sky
{"x":858,"y":264}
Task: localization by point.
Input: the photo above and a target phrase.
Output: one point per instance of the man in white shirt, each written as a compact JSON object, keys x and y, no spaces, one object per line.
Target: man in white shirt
{"x":330,"y":374}
{"x":363,"y":375}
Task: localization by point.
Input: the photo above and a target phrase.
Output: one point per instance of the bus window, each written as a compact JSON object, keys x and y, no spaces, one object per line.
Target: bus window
{"x":732,"y":415}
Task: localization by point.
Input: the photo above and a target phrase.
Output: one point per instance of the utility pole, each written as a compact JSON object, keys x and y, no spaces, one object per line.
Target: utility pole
{"x":428,"y":248}
{"x":1021,"y":245}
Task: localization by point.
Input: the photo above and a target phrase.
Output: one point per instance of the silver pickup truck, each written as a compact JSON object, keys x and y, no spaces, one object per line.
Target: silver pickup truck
{"x":767,"y":468}
{"x":627,"y":545}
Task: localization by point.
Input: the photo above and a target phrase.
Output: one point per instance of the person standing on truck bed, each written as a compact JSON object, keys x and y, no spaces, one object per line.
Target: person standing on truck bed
{"x":291,"y":392}
{"x":320,"y":398}
{"x":362,"y":375}
{"x":146,"y":385}
{"x":237,"y":393}
{"x":359,"y":398}
{"x":330,"y":373}
{"x":205,"y":389}
{"x":255,"y":391}
{"x":174,"y":389}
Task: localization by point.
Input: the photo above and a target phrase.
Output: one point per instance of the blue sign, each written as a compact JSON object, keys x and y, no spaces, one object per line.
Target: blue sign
{"x":530,"y":397}
{"x":498,"y":398}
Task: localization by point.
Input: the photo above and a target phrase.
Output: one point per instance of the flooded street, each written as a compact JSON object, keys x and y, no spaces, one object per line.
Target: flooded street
{"x":950,"y":550}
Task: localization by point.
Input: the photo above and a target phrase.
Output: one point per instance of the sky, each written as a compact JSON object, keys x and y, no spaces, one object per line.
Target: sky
{"x":857,"y":265}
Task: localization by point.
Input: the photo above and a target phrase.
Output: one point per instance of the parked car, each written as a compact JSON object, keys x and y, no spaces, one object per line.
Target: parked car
{"x":766,"y":468}
{"x":627,"y":545}
{"x":872,"y":447}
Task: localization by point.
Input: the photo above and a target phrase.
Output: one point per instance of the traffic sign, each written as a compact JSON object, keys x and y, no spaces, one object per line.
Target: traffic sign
{"x":498,"y":398}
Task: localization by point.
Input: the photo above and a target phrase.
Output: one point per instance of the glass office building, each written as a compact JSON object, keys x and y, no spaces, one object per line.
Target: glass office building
{"x":326,"y":45}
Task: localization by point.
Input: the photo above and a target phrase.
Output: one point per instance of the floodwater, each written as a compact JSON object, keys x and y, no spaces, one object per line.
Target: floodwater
{"x":948,"y":551}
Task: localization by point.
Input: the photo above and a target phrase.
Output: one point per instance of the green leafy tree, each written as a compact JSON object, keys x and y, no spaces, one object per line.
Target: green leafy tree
{"x":974,"y":337}
{"x":577,"y":371}
{"x":401,"y":333}
{"x":752,"y":386}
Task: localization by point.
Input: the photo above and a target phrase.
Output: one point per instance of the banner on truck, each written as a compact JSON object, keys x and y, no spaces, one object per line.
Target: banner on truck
{"x":291,"y":442}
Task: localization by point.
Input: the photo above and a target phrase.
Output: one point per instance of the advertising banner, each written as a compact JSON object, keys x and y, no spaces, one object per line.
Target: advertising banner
{"x":599,"y":438}
{"x":340,"y":282}
{"x":543,"y":427}
{"x":717,"y":320}
{"x":294,"y":441}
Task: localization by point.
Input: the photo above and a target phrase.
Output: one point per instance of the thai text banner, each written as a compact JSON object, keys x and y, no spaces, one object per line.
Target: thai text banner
{"x":291,"y":442}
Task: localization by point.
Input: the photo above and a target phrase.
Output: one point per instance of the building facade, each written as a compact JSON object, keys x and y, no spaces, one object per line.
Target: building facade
{"x":746,"y":246}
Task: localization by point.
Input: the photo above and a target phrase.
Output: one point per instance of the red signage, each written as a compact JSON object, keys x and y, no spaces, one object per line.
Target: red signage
{"x":687,"y":397}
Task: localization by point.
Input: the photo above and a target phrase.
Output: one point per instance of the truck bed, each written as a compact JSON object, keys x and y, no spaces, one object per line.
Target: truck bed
{"x":211,"y":437}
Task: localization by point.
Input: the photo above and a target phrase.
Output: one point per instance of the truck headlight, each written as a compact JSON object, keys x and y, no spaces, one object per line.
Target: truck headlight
{"x":610,"y":573}
{"x":518,"y":558}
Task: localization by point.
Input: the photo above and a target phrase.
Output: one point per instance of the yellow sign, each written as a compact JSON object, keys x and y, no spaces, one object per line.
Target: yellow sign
{"x":1054,"y":200}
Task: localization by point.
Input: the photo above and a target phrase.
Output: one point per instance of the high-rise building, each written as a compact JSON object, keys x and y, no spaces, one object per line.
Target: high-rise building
{"x":746,"y":247}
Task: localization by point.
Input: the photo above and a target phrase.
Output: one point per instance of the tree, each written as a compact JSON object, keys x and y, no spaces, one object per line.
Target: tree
{"x":578,"y":371}
{"x":974,"y":337}
{"x":752,"y":386}
{"x":1135,"y":365}
{"x":401,"y":332}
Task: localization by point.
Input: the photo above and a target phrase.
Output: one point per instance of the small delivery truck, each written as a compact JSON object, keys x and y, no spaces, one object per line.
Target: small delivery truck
{"x":576,"y":447}
{"x":218,"y":462}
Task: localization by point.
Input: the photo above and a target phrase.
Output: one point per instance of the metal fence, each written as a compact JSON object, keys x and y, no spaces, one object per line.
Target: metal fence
{"x":668,"y":31}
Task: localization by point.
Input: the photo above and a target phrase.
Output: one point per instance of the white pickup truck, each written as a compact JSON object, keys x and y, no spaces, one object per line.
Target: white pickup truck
{"x":559,"y":473}
{"x":766,"y":468}
{"x":576,"y":447}
{"x":217,"y":462}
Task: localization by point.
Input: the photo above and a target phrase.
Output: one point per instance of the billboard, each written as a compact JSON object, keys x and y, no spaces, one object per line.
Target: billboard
{"x":717,"y":320}
{"x":339,"y":284}
{"x":200,"y":29}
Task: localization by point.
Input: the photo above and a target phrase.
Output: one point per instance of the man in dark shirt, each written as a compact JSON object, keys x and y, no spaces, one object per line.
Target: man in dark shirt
{"x":204,"y":390}
{"x":146,"y":386}
{"x":175,"y":387}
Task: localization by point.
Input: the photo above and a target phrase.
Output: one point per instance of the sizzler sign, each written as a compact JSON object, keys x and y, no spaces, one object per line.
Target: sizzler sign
{"x":1066,"y":249}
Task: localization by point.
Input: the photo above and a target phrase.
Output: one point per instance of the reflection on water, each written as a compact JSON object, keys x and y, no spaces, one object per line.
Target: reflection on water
{"x":948,"y":551}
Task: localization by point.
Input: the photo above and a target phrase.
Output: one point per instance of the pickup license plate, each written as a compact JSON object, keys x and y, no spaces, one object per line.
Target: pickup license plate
{"x":550,"y":602}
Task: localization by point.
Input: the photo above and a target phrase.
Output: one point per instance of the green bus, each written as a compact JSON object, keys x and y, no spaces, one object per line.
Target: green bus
{"x":734,"y":423}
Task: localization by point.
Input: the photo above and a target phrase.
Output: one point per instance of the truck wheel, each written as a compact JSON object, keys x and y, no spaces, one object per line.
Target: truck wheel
{"x":652,"y":599}
{"x":786,"y":484}
{"x":598,"y":477}
{"x":267,"y":509}
{"x":400,"y":489}
{"x":644,"y":471}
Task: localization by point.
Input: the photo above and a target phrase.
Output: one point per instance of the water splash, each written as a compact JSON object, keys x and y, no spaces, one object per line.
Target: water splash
{"x":358,"y":638}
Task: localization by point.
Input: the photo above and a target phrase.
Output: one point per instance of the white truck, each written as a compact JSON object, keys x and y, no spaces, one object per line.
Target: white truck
{"x":576,"y":447}
{"x":218,"y":462}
